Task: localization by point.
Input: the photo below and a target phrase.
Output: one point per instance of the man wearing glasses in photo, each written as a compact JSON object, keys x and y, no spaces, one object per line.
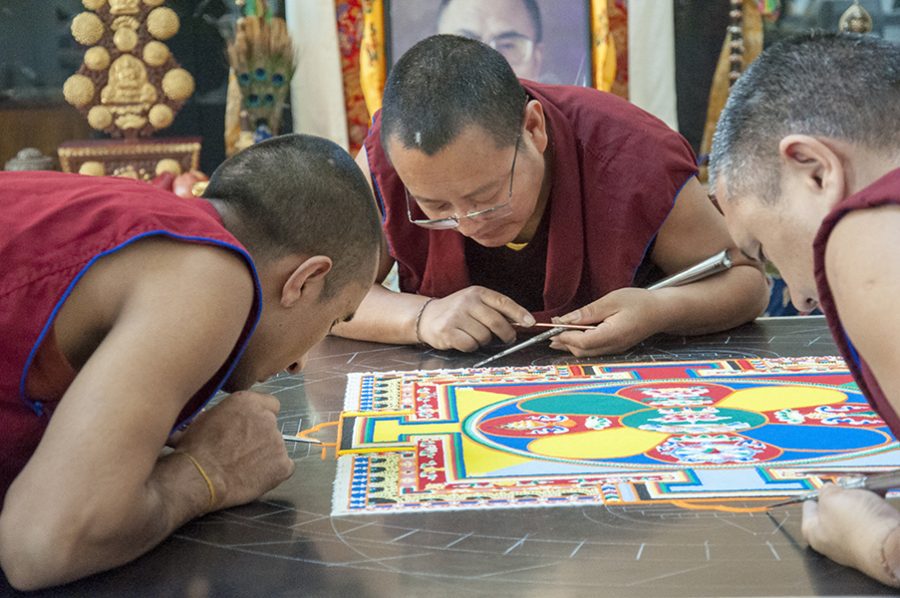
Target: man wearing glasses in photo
{"x":512,"y":27}
{"x":507,"y":202}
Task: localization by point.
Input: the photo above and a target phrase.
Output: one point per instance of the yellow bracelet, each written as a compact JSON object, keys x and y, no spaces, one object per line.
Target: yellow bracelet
{"x":209,"y":484}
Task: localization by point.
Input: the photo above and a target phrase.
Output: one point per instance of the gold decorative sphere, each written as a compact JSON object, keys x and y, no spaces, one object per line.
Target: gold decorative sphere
{"x":152,"y":3}
{"x":96,"y":58}
{"x":92,"y":168}
{"x":125,"y":39}
{"x":168,"y":165}
{"x":99,"y":117}
{"x":162,"y":23}
{"x":93,"y":4}
{"x":87,"y":28}
{"x":126,"y":172}
{"x":156,"y":53}
{"x":78,"y":90}
{"x":178,"y":84}
{"x":161,"y":116}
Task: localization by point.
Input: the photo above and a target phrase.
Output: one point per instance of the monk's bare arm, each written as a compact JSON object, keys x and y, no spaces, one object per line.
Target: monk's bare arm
{"x":864,"y":275}
{"x":693,"y":232}
{"x":96,"y":492}
{"x":855,"y":527}
{"x":383,"y":316}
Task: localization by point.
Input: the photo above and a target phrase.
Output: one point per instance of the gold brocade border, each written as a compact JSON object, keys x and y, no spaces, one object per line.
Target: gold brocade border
{"x":134,"y":150}
{"x":373,"y":60}
{"x":604,"y":48}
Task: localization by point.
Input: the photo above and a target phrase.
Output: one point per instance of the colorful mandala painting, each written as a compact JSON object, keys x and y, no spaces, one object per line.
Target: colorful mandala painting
{"x":712,"y":434}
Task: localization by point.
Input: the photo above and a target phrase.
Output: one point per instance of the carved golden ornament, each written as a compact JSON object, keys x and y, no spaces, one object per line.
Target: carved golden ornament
{"x":127,"y":172}
{"x":855,"y":19}
{"x":87,"y":28}
{"x":161,"y":116}
{"x":125,"y":39}
{"x":124,"y":7}
{"x":198,"y":188}
{"x":93,"y":4}
{"x":130,"y":121}
{"x":78,"y":90}
{"x":156,"y":53}
{"x":128,"y":83}
{"x":162,"y":23}
{"x":168,"y":165}
{"x":152,"y":3}
{"x":99,"y":117}
{"x":127,"y":22}
{"x":178,"y":84}
{"x":92,"y":168}
{"x":96,"y":58}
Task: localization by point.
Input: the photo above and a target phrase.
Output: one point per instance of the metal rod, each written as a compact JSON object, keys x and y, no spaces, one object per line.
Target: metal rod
{"x":292,"y":438}
{"x":712,"y":265}
{"x":879,"y":483}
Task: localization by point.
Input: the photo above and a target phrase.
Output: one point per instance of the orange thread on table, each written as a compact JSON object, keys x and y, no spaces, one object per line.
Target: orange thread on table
{"x":318,"y":427}
{"x":695,"y":506}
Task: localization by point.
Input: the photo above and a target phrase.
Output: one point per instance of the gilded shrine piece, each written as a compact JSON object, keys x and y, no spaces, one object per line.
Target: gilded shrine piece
{"x":128,"y":86}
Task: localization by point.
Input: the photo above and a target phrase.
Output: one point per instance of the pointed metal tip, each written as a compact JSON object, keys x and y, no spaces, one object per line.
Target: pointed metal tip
{"x":293,"y":438}
{"x":790,"y":501}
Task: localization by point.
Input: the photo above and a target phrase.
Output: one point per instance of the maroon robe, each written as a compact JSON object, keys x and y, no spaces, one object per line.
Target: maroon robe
{"x":53,"y":228}
{"x":617,"y":171}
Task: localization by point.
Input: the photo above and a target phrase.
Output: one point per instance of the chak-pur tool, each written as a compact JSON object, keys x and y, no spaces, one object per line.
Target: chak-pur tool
{"x":713,"y":265}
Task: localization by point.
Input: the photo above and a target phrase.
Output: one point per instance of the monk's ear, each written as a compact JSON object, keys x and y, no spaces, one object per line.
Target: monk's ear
{"x":306,"y":280}
{"x":536,"y":125}
{"x":814,"y":164}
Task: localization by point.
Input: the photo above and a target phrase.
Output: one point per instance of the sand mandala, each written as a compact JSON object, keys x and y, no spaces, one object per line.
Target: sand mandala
{"x":732,"y":435}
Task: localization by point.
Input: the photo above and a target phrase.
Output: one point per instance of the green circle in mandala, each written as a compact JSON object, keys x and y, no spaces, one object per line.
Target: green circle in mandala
{"x":685,"y":420}
{"x":580,"y":403}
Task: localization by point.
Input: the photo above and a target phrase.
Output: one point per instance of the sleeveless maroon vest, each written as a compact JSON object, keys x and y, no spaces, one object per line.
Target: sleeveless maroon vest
{"x":53,"y":227}
{"x":617,"y":171}
{"x":884,"y":191}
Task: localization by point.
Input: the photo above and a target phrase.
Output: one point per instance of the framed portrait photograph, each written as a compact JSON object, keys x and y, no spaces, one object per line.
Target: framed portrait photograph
{"x":549,"y":41}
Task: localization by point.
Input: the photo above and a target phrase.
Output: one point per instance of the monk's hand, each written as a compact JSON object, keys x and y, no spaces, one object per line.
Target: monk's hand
{"x":239,"y":445}
{"x":623,"y":318}
{"x":850,"y":527}
{"x":470,"y":318}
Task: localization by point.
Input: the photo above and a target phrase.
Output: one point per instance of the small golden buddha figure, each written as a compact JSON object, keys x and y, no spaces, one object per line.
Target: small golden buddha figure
{"x":124,"y":7}
{"x":128,"y":83}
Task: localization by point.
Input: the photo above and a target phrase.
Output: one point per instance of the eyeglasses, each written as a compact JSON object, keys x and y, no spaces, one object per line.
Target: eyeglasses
{"x":485,"y":214}
{"x":517,"y":48}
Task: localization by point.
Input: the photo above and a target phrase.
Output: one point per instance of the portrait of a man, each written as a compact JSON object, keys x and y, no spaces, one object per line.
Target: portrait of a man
{"x":543,"y":40}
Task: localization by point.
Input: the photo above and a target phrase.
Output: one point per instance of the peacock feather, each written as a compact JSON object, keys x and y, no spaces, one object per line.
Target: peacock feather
{"x":262,"y":57}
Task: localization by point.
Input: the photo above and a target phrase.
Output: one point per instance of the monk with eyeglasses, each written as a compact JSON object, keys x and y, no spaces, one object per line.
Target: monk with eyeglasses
{"x":506,"y":202}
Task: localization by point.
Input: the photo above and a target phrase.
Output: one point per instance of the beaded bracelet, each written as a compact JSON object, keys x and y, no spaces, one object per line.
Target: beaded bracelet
{"x":419,"y":318}
{"x":209,"y":484}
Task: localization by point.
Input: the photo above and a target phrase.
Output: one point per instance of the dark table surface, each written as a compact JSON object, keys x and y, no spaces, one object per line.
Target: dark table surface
{"x":287,"y":543}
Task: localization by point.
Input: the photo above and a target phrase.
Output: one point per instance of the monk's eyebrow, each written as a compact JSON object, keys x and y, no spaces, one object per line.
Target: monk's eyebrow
{"x":715,"y":201}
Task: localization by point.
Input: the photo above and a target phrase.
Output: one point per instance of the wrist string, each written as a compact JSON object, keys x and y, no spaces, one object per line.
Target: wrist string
{"x":419,"y":319}
{"x":209,"y":484}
